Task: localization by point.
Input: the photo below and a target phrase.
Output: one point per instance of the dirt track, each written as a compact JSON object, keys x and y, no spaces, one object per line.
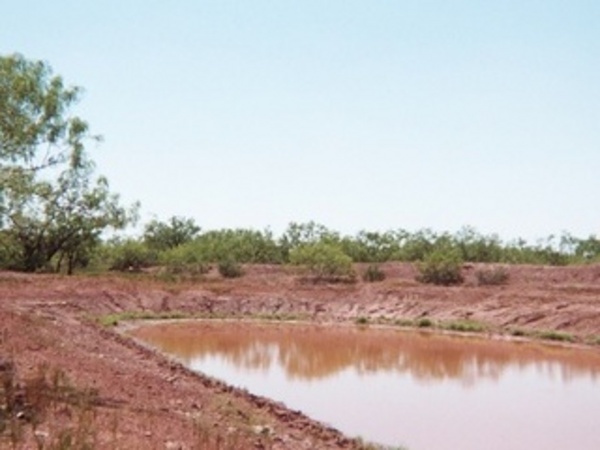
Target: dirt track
{"x":147,"y":401}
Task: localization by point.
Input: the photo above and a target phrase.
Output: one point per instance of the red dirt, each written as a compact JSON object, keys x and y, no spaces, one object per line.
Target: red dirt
{"x":148,"y":401}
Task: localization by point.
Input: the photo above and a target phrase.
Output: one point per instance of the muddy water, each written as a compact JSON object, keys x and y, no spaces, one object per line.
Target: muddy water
{"x":420,"y":390}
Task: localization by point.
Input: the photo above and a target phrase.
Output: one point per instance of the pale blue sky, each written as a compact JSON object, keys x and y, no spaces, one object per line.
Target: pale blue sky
{"x":373,"y":114}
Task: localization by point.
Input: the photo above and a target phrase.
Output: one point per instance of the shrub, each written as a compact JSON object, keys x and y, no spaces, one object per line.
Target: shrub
{"x":373,"y":273}
{"x":424,"y":322}
{"x":131,"y":255}
{"x":324,"y":261}
{"x":184,"y":259}
{"x":241,"y":245}
{"x":229,"y":268}
{"x":442,"y":267}
{"x":492,"y":277}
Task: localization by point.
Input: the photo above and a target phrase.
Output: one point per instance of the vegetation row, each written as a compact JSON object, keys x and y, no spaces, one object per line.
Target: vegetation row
{"x":56,"y":213}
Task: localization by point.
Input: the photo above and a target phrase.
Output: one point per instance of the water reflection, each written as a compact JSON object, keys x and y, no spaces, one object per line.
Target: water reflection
{"x":422,"y":390}
{"x":314,"y":352}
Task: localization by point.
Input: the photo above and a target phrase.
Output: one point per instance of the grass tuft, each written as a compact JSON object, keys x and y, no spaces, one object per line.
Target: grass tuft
{"x":468,"y":326}
{"x":362,"y":320}
{"x":424,"y":322}
{"x":556,"y":336}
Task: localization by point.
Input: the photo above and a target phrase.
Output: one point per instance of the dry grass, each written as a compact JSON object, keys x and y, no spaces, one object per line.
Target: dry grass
{"x":46,"y":411}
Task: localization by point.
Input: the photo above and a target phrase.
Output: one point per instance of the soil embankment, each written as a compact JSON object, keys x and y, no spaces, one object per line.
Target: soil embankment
{"x":145,"y":400}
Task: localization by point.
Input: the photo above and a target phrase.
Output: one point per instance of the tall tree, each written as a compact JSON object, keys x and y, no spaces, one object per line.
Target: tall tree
{"x":52,"y":207}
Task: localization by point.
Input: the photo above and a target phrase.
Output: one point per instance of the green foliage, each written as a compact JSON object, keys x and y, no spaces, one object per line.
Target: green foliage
{"x":492,"y":277}
{"x":302,"y":234}
{"x":424,"y":322}
{"x":587,"y":250}
{"x":52,"y":209}
{"x":130,"y":255}
{"x":442,"y":267}
{"x":373,"y":273}
{"x":167,"y":235}
{"x":9,"y":249}
{"x":467,"y":326}
{"x":112,"y":320}
{"x":416,"y":246}
{"x":229,"y":268}
{"x":324,"y":261}
{"x":373,"y":247}
{"x":243,"y":246}
{"x":477,"y":248}
{"x":184,"y":259}
{"x":556,"y":336}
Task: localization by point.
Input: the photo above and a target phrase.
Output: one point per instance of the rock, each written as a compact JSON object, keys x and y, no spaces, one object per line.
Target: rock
{"x":262,"y":430}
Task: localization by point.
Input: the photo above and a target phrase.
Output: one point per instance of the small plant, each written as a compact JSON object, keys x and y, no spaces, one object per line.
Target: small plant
{"x":112,"y":320}
{"x":467,"y":326}
{"x":404,"y":323}
{"x":373,"y":274}
{"x":362,"y":320}
{"x":492,"y":277}
{"x":424,"y":322}
{"x":229,"y":268}
{"x":556,"y":336}
{"x":441,"y":267}
{"x":518,"y":332}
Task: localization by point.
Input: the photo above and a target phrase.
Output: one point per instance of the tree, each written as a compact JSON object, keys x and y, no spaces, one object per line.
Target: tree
{"x":52,"y":208}
{"x":166,"y":235}
{"x":298,"y":234}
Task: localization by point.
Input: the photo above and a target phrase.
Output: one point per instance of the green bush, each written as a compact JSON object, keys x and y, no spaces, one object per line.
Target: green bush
{"x":492,"y":277}
{"x":10,"y":254}
{"x":130,"y":255}
{"x":243,"y":246}
{"x":424,"y":322}
{"x":373,"y":274}
{"x":184,"y":259}
{"x":441,"y":267}
{"x":324,"y":261}
{"x":229,"y":268}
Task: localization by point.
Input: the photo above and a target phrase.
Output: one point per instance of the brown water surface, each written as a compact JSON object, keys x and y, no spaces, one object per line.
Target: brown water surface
{"x":421,"y":390}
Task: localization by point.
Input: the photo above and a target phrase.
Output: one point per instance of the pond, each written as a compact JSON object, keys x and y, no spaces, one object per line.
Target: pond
{"x":421,"y":390}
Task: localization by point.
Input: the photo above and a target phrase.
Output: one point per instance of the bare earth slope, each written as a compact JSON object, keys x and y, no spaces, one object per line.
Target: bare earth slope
{"x":144,"y":400}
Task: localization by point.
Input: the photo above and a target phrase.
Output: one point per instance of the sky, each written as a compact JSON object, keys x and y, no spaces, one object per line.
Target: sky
{"x":372,"y":114}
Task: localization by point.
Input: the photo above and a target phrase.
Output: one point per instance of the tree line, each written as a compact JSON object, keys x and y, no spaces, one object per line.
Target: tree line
{"x":179,"y":241}
{"x":55,"y":210}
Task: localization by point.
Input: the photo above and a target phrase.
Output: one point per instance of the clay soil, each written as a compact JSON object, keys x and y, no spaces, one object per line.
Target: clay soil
{"x":146,"y":400}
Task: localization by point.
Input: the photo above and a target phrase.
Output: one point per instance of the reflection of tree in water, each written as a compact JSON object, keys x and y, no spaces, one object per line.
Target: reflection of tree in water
{"x":311,"y":352}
